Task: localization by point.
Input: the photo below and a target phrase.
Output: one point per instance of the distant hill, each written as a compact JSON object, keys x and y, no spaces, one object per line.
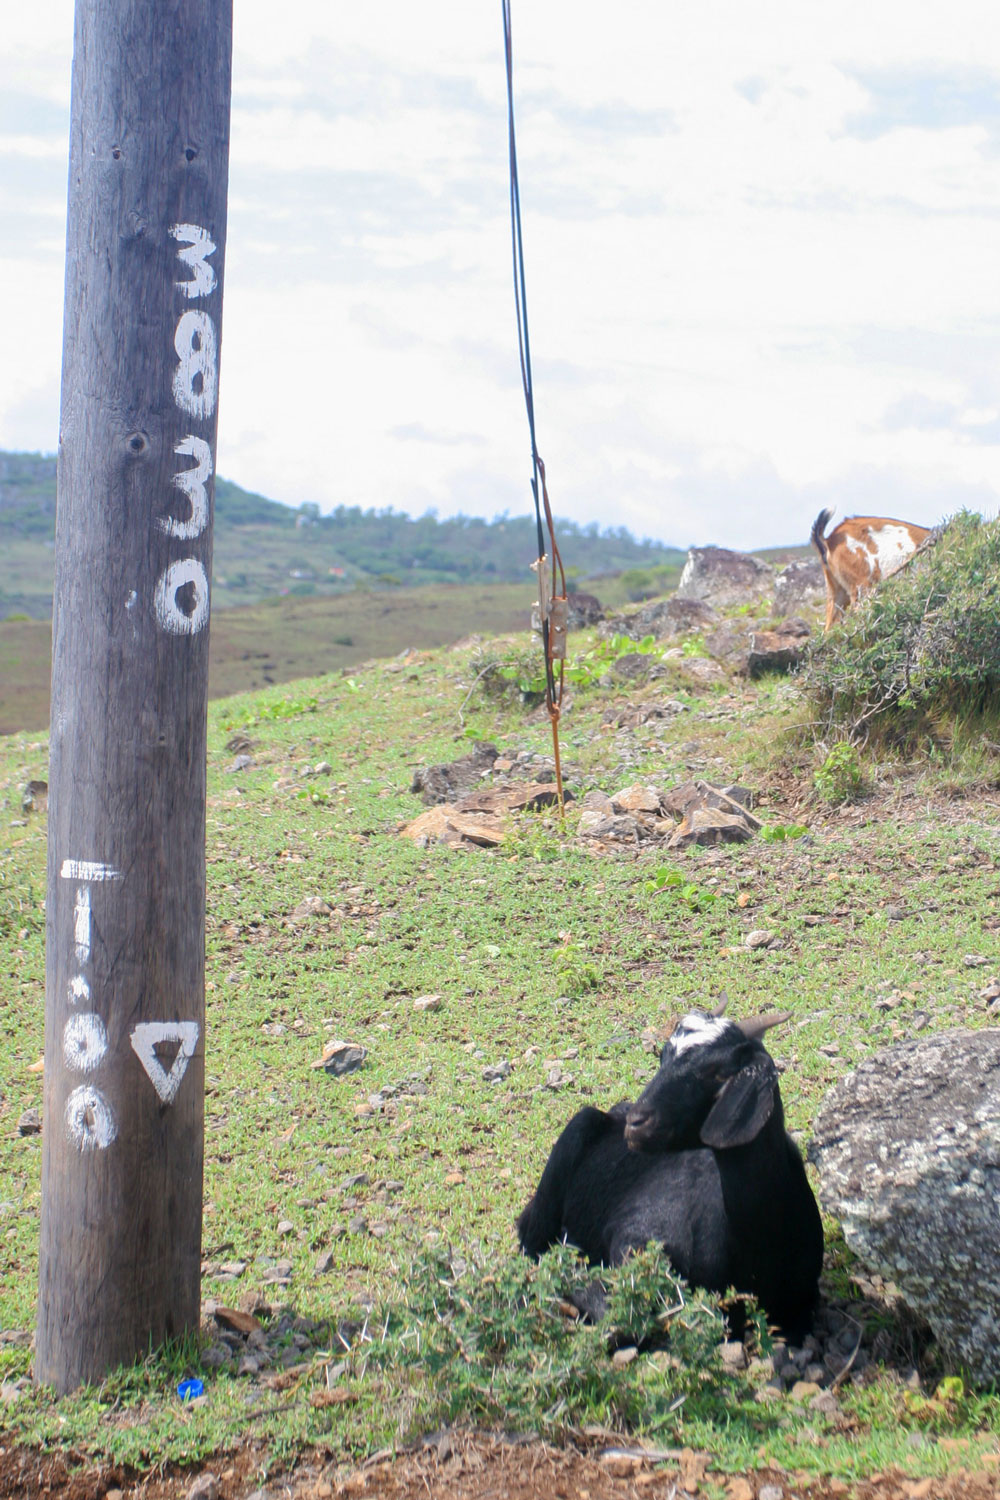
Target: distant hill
{"x":264,"y":549}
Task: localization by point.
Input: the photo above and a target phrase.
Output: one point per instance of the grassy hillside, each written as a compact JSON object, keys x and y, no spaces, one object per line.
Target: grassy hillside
{"x":496,"y":992}
{"x":279,"y":640}
{"x":263,"y":549}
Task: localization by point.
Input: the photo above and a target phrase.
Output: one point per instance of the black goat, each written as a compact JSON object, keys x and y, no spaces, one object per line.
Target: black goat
{"x":702,"y":1164}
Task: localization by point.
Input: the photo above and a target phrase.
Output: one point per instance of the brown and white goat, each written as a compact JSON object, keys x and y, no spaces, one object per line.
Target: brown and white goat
{"x":859,"y":553}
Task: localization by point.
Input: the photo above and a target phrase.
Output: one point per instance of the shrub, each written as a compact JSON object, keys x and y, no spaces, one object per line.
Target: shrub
{"x":493,"y":1340}
{"x":839,"y":778}
{"x":923,"y":647}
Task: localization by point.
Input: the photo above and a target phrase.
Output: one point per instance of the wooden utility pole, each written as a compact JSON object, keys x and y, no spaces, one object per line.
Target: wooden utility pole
{"x":120,"y":1265}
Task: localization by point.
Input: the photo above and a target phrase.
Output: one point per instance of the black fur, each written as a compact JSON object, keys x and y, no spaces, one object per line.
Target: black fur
{"x":701,"y":1164}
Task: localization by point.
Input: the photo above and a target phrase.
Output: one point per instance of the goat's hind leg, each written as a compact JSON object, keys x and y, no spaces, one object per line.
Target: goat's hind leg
{"x":541,"y":1224}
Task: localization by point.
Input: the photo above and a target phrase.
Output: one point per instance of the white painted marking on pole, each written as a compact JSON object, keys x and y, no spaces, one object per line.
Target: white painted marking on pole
{"x":168,"y":612}
{"x":87,"y":869}
{"x":195,"y":254}
{"x":79,"y":990}
{"x":145,"y":1038}
{"x":192,"y":482}
{"x":85,"y":1041}
{"x":81,"y":923}
{"x":196,"y":377}
{"x":90,"y":1119}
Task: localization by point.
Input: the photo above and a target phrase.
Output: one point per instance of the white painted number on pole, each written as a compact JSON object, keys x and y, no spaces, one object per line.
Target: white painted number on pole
{"x":189,"y":617}
{"x":148,"y":1036}
{"x":181,"y":601}
{"x":81,"y":924}
{"x":90,"y":1119}
{"x":192,"y":482}
{"x":87,"y":869}
{"x":195,"y":254}
{"x":196,"y":376}
{"x":85,"y":1041}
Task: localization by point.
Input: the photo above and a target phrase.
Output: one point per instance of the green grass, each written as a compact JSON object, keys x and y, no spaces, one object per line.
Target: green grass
{"x":542,"y":953}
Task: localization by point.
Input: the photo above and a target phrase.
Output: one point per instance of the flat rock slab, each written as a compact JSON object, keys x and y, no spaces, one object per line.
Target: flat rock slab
{"x":908,"y":1152}
{"x":516,"y":796}
{"x":446,"y":825}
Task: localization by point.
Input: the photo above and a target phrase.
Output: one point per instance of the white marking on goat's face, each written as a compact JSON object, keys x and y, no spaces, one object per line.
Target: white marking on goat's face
{"x":696,"y":1031}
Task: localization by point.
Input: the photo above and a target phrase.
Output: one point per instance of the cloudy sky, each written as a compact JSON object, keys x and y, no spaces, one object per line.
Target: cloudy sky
{"x":762,"y":247}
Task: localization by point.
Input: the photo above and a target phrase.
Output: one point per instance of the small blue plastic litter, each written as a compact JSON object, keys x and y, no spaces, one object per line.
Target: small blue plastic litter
{"x":189,"y":1389}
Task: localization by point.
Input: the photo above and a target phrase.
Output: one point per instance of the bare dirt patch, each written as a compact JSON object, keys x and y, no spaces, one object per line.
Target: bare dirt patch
{"x":475,"y":1466}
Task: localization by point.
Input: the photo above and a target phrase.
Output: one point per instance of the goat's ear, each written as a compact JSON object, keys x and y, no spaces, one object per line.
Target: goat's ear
{"x":743,"y":1107}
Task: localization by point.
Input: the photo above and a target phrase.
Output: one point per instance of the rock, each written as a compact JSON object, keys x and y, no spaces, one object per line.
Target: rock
{"x":595,"y":825}
{"x":497,"y":1071}
{"x":205,"y":1487}
{"x":684,"y":799}
{"x":799,"y":585}
{"x":704,"y":825}
{"x":583,"y":610}
{"x":773,"y":651}
{"x":30,"y":1123}
{"x":770,"y":1492}
{"x":632,"y":666}
{"x":341,"y":1057}
{"x":427,"y":1002}
{"x":444,"y":824}
{"x":598,"y":801}
{"x":908,"y":1151}
{"x":215,"y":1356}
{"x":719,"y":577}
{"x":232,"y":1318}
{"x":323,"y":1263}
{"x":673,"y":617}
{"x":761,"y":937}
{"x":514,"y":797}
{"x":241,"y":763}
{"x":637,"y":798}
{"x":311,"y":906}
{"x":733,"y":1355}
{"x":35,"y":796}
{"x":698,"y":669}
{"x":730,"y":646}
{"x":447,"y":781}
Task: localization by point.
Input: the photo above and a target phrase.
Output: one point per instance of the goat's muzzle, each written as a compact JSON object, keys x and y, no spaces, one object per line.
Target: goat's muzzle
{"x":639,"y":1126}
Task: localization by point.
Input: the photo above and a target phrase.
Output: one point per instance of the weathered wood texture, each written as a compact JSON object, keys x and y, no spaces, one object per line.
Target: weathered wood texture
{"x":124,"y":1027}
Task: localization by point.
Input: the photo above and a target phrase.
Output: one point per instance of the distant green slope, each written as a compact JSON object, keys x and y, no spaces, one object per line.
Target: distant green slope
{"x":264,"y":548}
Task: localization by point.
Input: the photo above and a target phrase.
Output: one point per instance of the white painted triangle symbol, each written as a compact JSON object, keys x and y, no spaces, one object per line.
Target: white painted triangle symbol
{"x":146,"y":1038}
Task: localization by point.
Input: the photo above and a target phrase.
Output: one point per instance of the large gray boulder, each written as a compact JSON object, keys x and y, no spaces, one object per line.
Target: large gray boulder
{"x":723,"y":578}
{"x":908,"y":1151}
{"x":799,"y":585}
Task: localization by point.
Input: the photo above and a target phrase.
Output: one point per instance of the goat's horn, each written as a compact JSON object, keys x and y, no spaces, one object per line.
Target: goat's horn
{"x":720,"y":1005}
{"x":755,"y":1026}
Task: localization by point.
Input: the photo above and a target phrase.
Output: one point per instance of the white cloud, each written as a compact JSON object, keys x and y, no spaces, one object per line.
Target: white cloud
{"x":760,"y":246}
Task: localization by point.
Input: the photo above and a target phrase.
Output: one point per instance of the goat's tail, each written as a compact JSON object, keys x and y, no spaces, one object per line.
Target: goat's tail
{"x":817,"y":538}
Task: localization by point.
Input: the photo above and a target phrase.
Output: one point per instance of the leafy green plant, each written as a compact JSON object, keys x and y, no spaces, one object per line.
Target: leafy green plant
{"x":777,"y":833}
{"x":688,"y":892}
{"x":840,"y":779}
{"x":576,"y":975}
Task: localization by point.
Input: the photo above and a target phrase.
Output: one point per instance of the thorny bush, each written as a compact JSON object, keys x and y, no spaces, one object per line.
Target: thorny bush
{"x":922,"y":649}
{"x":497,"y":1342}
